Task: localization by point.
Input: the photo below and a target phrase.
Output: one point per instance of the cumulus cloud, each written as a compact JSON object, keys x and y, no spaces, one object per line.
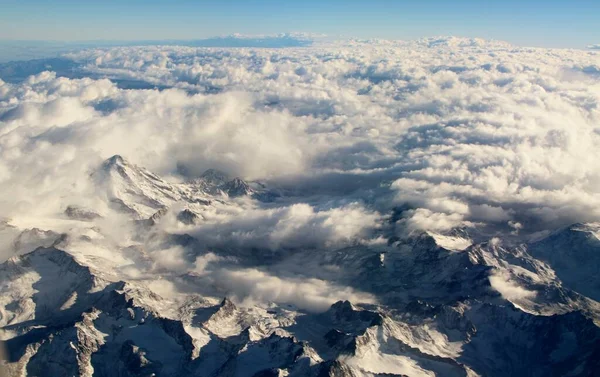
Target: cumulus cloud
{"x":463,"y":132}
{"x":53,"y":135}
{"x":509,"y":289}
{"x":424,"y":219}
{"x":292,"y":227}
{"x":172,"y":259}
{"x":251,"y":286}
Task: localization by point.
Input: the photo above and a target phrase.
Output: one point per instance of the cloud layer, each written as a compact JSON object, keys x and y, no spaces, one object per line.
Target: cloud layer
{"x":461,"y":131}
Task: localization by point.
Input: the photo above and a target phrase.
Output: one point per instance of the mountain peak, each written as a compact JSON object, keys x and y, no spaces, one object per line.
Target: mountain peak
{"x":115,"y":160}
{"x":227,"y":305}
{"x":187,"y":217}
{"x":215,"y":176}
{"x":237,"y":187}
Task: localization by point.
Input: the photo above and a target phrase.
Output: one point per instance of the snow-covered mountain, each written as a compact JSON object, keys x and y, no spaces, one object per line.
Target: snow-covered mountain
{"x":574,"y":255}
{"x":334,"y":208}
{"x":93,"y":302}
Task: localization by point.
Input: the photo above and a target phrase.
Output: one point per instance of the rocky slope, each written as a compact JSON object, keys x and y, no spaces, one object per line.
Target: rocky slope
{"x":89,"y":301}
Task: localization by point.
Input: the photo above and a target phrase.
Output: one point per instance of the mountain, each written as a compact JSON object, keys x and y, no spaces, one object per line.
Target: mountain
{"x":574,"y":255}
{"x":133,"y":190}
{"x":219,"y":183}
{"x":92,"y":300}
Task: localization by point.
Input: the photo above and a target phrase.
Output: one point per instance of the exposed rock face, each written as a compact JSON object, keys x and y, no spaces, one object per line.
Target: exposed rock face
{"x":236,"y":187}
{"x":215,"y":181}
{"x":188,"y":217}
{"x":135,"y":363}
{"x":79,"y":213}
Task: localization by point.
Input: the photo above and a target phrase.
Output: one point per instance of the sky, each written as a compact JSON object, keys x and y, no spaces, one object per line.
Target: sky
{"x":549,"y":23}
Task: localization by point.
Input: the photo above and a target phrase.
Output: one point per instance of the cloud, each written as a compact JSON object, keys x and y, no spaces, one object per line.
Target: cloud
{"x":509,"y":289}
{"x":594,"y":47}
{"x":421,"y":218}
{"x":463,"y":131}
{"x":171,"y":259}
{"x":203,"y":262}
{"x":251,"y":286}
{"x":433,"y":134}
{"x":53,"y":136}
{"x":261,"y":41}
{"x":293,"y":227}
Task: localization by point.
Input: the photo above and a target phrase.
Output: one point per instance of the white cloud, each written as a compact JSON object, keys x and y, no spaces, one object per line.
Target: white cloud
{"x":363,"y":141}
{"x":465,"y":131}
{"x":422,"y":218}
{"x":251,"y":286}
{"x":508,"y":288}
{"x":170,"y":259}
{"x":295,"y":227}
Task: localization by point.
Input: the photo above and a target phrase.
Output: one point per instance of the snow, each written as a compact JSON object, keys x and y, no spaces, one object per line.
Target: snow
{"x":450,"y":242}
{"x":406,"y":212}
{"x":374,"y":362}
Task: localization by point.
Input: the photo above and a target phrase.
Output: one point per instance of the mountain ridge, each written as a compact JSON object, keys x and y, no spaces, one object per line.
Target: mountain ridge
{"x":67,"y":309}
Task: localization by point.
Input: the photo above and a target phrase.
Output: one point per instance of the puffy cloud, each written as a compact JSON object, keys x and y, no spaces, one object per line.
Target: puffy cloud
{"x":422,"y":218}
{"x":251,"y":286}
{"x":54,"y":132}
{"x":509,"y":289}
{"x":172,"y":259}
{"x":293,"y":227}
{"x":362,"y":142}
{"x":464,"y":131}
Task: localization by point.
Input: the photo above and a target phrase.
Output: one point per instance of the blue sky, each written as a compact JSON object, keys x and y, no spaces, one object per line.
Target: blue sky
{"x":551,"y":23}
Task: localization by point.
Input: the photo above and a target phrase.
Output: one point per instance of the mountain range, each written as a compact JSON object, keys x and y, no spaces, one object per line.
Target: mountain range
{"x":108,"y":292}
